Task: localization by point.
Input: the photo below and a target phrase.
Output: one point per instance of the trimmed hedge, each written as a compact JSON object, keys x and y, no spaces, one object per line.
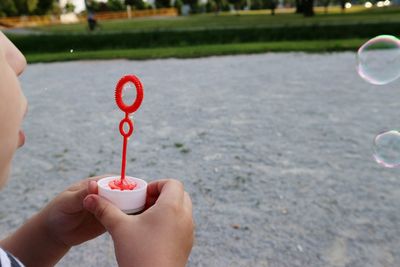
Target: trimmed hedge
{"x":152,"y":39}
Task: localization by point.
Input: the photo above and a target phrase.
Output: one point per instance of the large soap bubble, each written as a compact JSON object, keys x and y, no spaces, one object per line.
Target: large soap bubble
{"x":379,"y":60}
{"x":387,"y":148}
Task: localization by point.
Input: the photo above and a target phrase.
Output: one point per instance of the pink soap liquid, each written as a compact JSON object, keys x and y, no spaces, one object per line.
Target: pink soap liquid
{"x":119,"y":184}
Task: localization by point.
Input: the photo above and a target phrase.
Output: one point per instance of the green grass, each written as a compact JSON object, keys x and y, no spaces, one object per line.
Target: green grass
{"x":210,"y":35}
{"x":201,"y":51}
{"x":53,"y":43}
{"x":227,"y":20}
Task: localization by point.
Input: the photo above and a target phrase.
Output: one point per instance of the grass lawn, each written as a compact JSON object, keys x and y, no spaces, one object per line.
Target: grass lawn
{"x":181,"y":37}
{"x":201,"y":51}
{"x":355,"y":15}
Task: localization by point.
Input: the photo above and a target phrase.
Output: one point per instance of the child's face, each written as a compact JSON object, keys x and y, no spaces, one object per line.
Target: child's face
{"x":13,"y":104}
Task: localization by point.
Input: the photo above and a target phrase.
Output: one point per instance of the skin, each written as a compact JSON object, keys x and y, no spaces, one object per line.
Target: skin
{"x":13,"y":104}
{"x":166,"y":227}
{"x":162,"y":235}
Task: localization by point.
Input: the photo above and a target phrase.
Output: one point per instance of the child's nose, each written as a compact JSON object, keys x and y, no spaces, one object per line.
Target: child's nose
{"x":14,"y":57}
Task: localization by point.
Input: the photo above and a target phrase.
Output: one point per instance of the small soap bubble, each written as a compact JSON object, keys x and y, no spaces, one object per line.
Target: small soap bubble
{"x":387,"y":149}
{"x":378,"y":60}
{"x":71,"y":51}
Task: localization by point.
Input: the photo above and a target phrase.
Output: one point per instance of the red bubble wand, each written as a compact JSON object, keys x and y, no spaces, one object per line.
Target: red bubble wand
{"x":122,"y":184}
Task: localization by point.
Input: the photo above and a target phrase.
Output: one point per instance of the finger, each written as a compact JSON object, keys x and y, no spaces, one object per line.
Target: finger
{"x":92,"y":184}
{"x":168,"y":192}
{"x":79,"y":191}
{"x":82,"y":183}
{"x":73,"y":197}
{"x":96,"y":178}
{"x":188,"y":208}
{"x":187,"y":203}
{"x":104,"y":211}
{"x":92,"y":187}
{"x":153,"y":188}
{"x":153,"y":192}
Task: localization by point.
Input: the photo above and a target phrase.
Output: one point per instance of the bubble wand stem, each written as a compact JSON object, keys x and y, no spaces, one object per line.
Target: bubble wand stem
{"x":123,"y":159}
{"x":128,"y":110}
{"x":126,"y":136}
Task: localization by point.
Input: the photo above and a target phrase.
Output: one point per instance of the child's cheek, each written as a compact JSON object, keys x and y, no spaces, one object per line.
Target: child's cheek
{"x":3,"y":58}
{"x":11,"y":102}
{"x":2,"y":55}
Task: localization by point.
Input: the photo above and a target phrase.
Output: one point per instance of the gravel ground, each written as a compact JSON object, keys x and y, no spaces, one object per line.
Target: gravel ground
{"x":275,"y":150}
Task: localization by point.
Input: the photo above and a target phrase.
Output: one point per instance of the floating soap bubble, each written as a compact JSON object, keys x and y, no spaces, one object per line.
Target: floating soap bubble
{"x":387,"y":149}
{"x":71,"y":51}
{"x":378,"y":60}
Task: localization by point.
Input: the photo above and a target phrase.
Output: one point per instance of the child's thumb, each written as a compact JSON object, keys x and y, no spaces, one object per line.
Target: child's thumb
{"x":104,"y":211}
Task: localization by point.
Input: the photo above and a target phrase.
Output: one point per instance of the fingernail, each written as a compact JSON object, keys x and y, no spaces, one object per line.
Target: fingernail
{"x":92,"y":185}
{"x":89,"y":203}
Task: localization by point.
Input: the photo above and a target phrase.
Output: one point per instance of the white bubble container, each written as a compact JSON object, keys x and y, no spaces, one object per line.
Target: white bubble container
{"x":129,"y":201}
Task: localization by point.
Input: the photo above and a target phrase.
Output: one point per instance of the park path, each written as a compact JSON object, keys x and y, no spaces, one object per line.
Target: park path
{"x":275,"y":150}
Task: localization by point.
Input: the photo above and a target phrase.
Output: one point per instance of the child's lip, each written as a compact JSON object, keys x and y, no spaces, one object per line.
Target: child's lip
{"x":21,"y":140}
{"x":21,"y":134}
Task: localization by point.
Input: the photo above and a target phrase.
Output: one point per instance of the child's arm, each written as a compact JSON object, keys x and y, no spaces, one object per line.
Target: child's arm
{"x":46,"y":237}
{"x":33,"y":245}
{"x":160,"y":236}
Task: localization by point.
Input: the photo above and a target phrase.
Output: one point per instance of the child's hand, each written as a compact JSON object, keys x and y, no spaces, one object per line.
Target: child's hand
{"x":45,"y":238}
{"x":160,"y":236}
{"x":66,"y":219}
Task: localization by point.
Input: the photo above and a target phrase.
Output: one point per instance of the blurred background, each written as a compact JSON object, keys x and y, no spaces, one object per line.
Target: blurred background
{"x":49,"y":30}
{"x":256,"y":105}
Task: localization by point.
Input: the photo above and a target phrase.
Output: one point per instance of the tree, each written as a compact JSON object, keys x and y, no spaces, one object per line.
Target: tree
{"x":238,"y":4}
{"x":162,"y":3}
{"x":31,"y":5}
{"x":115,"y":5}
{"x":178,"y":5}
{"x":221,"y":5}
{"x":305,"y":7}
{"x":138,"y":4}
{"x":264,"y":4}
{"x":343,"y":5}
{"x":308,"y":8}
{"x":299,"y":6}
{"x":69,"y":7}
{"x":193,"y":5}
{"x":22,"y":7}
{"x":326,"y":3}
{"x":8,"y":8}
{"x":271,"y":4}
{"x":25,"y":7}
{"x":256,"y":5}
{"x":43,"y":6}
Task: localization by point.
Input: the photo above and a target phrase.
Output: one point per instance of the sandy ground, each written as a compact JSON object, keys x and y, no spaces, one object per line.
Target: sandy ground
{"x":276,"y":153}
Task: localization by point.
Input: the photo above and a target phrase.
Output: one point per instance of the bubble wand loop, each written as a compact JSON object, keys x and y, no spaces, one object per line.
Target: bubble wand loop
{"x":128,"y":109}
